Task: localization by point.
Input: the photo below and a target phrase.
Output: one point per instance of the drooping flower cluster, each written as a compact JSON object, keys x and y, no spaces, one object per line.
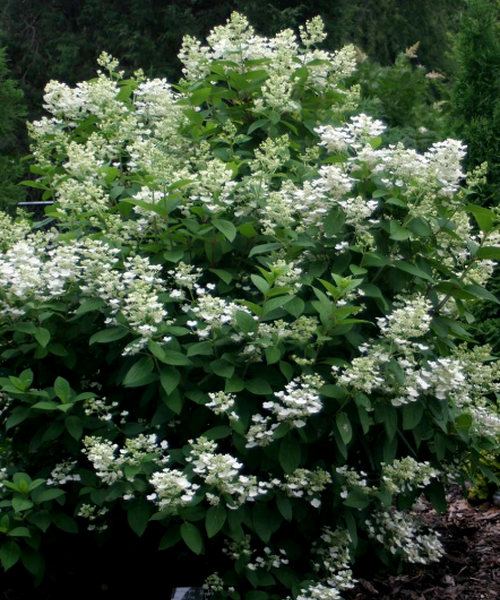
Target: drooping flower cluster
{"x":332,"y":558}
{"x":62,"y":473}
{"x":399,"y":532}
{"x":303,"y":483}
{"x":406,"y":474}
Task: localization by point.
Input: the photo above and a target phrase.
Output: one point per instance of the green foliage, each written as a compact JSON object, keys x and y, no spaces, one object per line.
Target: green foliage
{"x":244,"y":323}
{"x":409,"y":100}
{"x":13,"y":113}
{"x":475,"y":98}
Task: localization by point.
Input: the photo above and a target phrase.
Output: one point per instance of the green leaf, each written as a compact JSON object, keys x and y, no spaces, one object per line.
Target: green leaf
{"x":200,"y":96}
{"x":412,"y":415}
{"x":488,"y":253}
{"x":334,"y":222}
{"x":224,"y":275}
{"x":285,"y":507}
{"x":89,"y":306}
{"x":25,"y":328}
{"x":387,"y":415}
{"x":260,"y":283}
{"x":32,"y":561}
{"x":18,"y":415}
{"x":222,"y":368}
{"x":407,"y":267}
{"x":169,"y":378}
{"x":256,"y":595}
{"x":140,"y":373}
{"x":266,"y":520}
{"x":217,"y":433}
{"x":138,"y":515}
{"x":9,"y":554}
{"x":215,"y":519}
{"x":463,"y":422}
{"x":62,"y":389}
{"x":399,"y":233}
{"x":264,"y":248}
{"x":344,"y":426}
{"x":46,"y":405}
{"x":259,"y":387}
{"x":436,"y":494}
{"x":41,"y":519}
{"x":246,"y":322}
{"x":289,"y":454}
{"x":20,"y":503}
{"x":173,"y":401}
{"x":192,"y":537}
{"x":480,"y":292}
{"x":26,"y":378}
{"x":64,"y":522}
{"x":171,"y":537}
{"x":200,"y":349}
{"x":485,"y":218}
{"x":273,"y":355}
{"x":20,"y":532}
{"x":172,"y":357}
{"x":74,"y":425}
{"x":107,"y":336}
{"x":357,"y":499}
{"x":42,"y":336}
{"x":227,"y":229}
{"x":420,"y":227}
{"x":47,"y":495}
{"x":295,"y":307}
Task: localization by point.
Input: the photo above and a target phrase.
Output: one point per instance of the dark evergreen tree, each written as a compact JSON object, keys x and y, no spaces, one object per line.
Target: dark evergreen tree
{"x":475,"y":99}
{"x":12,"y":116}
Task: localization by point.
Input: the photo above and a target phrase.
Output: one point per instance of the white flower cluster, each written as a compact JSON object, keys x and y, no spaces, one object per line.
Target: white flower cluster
{"x":93,"y":514}
{"x":186,"y":276}
{"x":100,"y":408}
{"x":172,"y":489}
{"x":332,"y":560}
{"x":221,"y":471}
{"x":399,"y":533}
{"x":261,"y":431}
{"x":303,"y":483}
{"x":356,"y":134}
{"x":109,"y":460}
{"x":238,"y":43}
{"x":214,"y":312}
{"x":318,"y":591}
{"x":353,"y":480}
{"x":221,"y":403}
{"x":406,"y":474}
{"x":411,"y":318}
{"x":269,"y":560}
{"x":299,"y":400}
{"x":62,"y":473}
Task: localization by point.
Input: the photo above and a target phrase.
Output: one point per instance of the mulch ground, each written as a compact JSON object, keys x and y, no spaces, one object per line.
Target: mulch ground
{"x":470,"y":569}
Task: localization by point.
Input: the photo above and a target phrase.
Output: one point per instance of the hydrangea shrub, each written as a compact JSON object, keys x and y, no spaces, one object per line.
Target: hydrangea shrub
{"x":244,"y":322}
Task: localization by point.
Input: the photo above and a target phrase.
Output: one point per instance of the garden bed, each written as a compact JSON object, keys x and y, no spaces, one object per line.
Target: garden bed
{"x":469,"y":570}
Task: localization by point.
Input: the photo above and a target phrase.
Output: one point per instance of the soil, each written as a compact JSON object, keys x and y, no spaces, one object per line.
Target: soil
{"x":470,"y":569}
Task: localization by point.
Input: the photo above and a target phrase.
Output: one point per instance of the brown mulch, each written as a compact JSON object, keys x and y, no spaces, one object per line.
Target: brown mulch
{"x":470,"y":569}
